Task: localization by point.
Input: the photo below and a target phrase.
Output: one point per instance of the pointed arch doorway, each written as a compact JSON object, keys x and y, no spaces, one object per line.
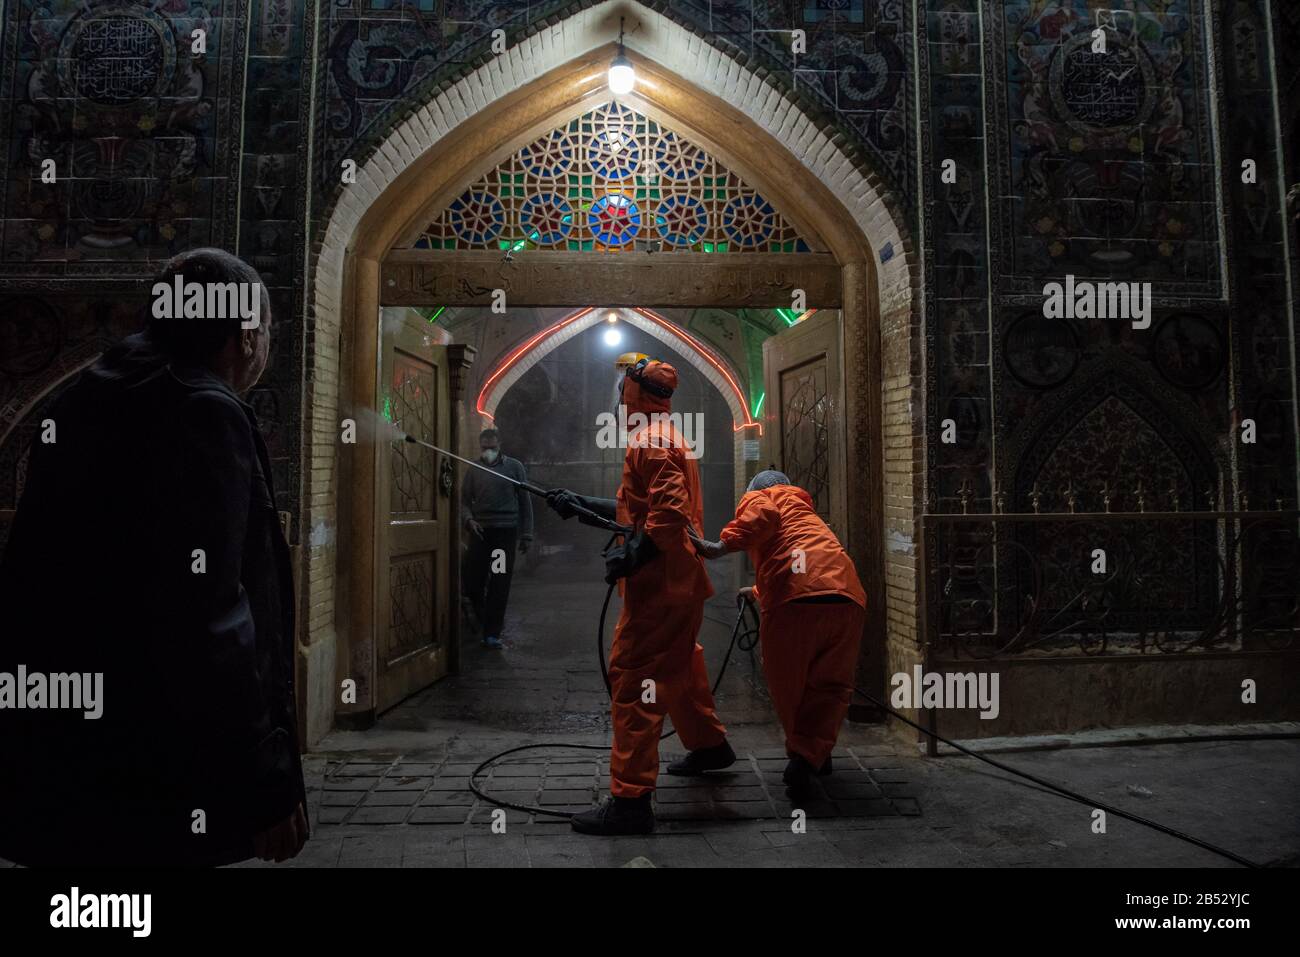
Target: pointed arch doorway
{"x":372,"y":244}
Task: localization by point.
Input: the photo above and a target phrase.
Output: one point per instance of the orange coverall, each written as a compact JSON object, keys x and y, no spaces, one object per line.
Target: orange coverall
{"x":663,"y":601}
{"x":810,"y":649}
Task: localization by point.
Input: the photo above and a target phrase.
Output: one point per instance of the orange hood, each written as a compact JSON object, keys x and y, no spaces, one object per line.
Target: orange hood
{"x":638,"y":399}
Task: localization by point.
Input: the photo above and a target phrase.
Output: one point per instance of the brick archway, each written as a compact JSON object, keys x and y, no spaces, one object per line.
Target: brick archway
{"x":441,"y":146}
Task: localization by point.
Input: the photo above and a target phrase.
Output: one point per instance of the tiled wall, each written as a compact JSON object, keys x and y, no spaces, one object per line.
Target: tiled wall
{"x":168,"y":150}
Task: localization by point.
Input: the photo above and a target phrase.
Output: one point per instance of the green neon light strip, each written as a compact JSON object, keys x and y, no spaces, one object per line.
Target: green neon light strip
{"x":439,"y":312}
{"x":789,"y":315}
{"x":759,"y":407}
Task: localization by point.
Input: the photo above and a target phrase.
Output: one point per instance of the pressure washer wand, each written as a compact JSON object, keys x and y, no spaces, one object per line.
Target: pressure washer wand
{"x":592,"y":518}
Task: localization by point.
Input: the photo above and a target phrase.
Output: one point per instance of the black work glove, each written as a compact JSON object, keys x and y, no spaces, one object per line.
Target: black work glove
{"x":705,"y":548}
{"x":566,"y":502}
{"x":623,"y":560}
{"x":562,"y":500}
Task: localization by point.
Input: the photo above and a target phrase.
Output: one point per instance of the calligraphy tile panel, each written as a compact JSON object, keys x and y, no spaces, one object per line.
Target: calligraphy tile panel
{"x":1106,"y":158}
{"x":138,"y":126}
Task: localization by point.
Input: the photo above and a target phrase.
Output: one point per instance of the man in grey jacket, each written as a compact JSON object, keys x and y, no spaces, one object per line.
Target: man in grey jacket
{"x":499,"y":519}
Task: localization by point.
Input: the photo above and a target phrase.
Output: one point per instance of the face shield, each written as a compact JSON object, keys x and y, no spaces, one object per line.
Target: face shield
{"x":624,"y":362}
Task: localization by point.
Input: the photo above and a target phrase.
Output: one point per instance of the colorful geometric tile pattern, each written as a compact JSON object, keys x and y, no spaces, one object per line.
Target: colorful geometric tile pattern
{"x":604,"y":180}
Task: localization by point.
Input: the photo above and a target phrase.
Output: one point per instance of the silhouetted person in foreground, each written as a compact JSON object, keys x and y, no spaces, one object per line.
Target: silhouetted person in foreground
{"x":147,"y":548}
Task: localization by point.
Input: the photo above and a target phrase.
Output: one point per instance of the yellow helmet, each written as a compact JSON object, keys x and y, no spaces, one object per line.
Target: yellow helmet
{"x":628,"y":359}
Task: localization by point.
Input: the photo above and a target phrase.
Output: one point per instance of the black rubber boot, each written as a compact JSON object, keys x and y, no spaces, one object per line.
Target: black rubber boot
{"x":616,"y":815}
{"x":798,"y":777}
{"x":705,"y":759}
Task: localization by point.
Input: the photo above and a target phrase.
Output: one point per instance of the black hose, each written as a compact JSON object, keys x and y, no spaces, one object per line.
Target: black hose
{"x":747,"y":643}
{"x":600,"y":643}
{"x":534,"y":808}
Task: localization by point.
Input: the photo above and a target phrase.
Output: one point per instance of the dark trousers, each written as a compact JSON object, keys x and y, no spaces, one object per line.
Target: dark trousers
{"x":489,"y":591}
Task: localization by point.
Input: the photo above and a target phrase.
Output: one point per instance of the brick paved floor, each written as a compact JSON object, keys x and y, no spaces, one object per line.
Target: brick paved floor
{"x":948,"y":812}
{"x":358,"y":792}
{"x":397,"y":795}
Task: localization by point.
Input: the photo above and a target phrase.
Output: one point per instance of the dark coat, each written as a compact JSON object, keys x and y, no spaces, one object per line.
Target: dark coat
{"x":151,"y":461}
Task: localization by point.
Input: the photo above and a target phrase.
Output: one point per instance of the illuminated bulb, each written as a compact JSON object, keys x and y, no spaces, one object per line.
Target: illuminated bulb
{"x":621,"y":75}
{"x":613,"y":317}
{"x":613,"y":337}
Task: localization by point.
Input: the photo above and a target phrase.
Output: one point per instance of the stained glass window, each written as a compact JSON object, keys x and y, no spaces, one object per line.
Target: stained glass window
{"x":602,"y":182}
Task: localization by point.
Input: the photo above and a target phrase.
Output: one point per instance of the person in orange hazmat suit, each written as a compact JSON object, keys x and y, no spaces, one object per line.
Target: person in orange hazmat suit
{"x":812,"y":611}
{"x":656,"y":666}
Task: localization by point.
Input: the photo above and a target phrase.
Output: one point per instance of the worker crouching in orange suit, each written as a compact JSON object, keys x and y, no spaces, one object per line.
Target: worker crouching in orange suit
{"x":656,"y":666}
{"x":813,"y":608}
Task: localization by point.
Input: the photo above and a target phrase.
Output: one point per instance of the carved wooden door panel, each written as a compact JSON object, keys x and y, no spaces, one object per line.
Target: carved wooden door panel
{"x":804,"y":432}
{"x":412,"y":648}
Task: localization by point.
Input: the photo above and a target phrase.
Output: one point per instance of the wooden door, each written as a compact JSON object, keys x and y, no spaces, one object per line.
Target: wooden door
{"x":804,"y":428}
{"x":414,"y":515}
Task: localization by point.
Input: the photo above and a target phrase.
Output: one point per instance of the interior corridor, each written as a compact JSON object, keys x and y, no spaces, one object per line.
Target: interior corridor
{"x":545,"y":687}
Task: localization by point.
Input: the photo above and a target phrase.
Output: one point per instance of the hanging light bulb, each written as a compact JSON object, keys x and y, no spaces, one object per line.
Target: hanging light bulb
{"x":622,"y":77}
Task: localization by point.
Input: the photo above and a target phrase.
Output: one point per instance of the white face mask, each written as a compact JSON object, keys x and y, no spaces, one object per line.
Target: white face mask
{"x":490,"y":455}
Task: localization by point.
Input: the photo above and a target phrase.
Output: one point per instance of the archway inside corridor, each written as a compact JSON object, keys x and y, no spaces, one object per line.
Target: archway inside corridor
{"x":513,"y":364}
{"x":546,"y":380}
{"x":856,"y":260}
